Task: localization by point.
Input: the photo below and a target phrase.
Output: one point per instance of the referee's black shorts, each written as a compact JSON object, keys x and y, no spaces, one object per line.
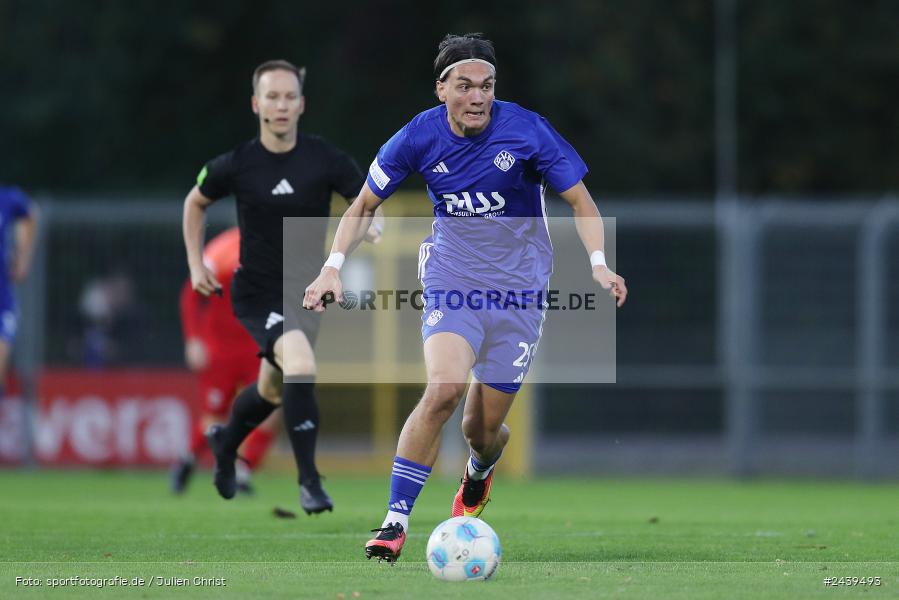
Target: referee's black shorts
{"x":261,"y":311}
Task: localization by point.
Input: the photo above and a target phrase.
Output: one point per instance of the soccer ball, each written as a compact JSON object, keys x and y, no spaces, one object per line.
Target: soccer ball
{"x":463,"y":549}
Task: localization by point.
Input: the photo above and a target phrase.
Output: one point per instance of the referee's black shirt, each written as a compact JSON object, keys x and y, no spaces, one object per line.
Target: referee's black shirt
{"x":268,"y":186}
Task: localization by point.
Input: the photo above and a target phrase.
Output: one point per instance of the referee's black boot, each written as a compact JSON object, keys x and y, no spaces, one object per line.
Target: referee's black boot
{"x":224,"y":477}
{"x":313,"y":498}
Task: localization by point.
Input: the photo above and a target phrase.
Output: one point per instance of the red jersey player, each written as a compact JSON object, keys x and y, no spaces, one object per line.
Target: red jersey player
{"x":223,"y":354}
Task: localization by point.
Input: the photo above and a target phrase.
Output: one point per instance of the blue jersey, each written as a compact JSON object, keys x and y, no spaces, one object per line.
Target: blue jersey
{"x":490,"y":224}
{"x":13,"y":206}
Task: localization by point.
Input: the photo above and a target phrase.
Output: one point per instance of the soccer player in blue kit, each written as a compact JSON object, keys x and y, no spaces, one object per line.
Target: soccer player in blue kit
{"x":486,"y":164}
{"x":15,"y":213}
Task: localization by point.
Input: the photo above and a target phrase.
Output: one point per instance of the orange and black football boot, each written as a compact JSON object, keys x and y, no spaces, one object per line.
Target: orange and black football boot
{"x":473,"y":496}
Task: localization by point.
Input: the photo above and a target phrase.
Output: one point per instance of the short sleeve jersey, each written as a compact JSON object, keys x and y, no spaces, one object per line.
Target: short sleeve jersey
{"x":487,"y":190}
{"x":13,"y":206}
{"x":268,"y":186}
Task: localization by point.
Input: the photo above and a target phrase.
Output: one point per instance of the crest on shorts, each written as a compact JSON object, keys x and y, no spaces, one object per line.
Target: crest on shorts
{"x":504,"y":160}
{"x":434,"y":318}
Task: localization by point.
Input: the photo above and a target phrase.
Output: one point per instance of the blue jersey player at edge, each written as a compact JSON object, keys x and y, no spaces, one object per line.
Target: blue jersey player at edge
{"x":483,"y":159}
{"x":16,"y":215}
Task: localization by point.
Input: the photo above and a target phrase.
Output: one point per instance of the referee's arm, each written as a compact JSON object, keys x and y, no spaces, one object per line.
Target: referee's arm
{"x":193,"y":223}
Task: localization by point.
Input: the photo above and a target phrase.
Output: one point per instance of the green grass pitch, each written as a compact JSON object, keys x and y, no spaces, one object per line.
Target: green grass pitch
{"x":562,"y":538}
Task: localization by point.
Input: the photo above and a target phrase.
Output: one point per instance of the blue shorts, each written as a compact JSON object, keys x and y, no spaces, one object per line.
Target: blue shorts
{"x":8,"y":325}
{"x":504,"y":340}
{"x":9,"y":317}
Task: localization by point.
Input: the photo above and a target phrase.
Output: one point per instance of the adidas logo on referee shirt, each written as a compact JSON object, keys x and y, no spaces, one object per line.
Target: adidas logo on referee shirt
{"x":440,"y":168}
{"x":283,"y":187}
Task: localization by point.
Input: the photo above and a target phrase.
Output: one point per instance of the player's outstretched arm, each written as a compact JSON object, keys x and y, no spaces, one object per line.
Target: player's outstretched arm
{"x":25,"y":237}
{"x":202,"y":280}
{"x":351,"y":230}
{"x":376,"y":229}
{"x":589,"y":226}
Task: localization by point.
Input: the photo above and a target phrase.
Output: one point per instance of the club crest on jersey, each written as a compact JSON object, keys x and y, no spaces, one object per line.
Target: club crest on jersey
{"x":434,"y":318}
{"x":504,"y":160}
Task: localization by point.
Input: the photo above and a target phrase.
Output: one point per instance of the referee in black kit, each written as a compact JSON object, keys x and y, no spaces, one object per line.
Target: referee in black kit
{"x":280,"y":173}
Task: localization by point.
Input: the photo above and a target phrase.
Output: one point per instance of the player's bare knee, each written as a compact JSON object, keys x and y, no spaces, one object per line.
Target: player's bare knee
{"x":446,"y":391}
{"x":441,"y":399}
{"x":504,"y":433}
{"x":270,"y":390}
{"x":294,"y":353}
{"x":298,"y":366}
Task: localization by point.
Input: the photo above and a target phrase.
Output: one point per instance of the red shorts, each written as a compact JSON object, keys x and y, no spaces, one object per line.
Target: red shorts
{"x":223,"y":379}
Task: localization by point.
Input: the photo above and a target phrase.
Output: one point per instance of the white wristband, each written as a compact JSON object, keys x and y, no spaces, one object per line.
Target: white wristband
{"x":335,"y":260}
{"x":597,"y":258}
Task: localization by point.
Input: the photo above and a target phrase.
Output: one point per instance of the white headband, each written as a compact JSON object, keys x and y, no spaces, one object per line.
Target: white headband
{"x":461,"y":62}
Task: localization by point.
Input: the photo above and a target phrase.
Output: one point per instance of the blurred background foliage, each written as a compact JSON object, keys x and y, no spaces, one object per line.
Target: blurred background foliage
{"x":102,"y":96}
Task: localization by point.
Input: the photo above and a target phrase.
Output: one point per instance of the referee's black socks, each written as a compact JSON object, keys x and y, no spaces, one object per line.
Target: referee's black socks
{"x":248,"y":411}
{"x":301,"y":422}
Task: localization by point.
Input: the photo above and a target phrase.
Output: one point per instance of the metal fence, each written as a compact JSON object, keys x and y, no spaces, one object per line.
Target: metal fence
{"x":762,"y":337}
